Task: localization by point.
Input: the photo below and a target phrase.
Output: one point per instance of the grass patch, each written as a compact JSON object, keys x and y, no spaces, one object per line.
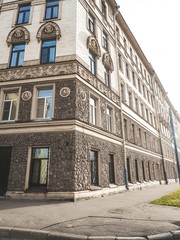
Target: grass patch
{"x":172,"y":199}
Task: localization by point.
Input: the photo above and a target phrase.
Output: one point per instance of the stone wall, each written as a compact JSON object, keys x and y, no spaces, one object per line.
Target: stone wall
{"x":84,"y":144}
{"x":62,"y":154}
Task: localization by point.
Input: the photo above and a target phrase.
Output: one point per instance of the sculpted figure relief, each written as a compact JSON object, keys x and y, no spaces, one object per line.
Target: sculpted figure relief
{"x":107,"y":61}
{"x":48,"y":30}
{"x":93,"y":45}
{"x":18,"y":35}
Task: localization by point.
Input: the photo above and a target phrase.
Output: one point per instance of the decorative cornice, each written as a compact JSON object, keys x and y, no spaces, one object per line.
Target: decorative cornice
{"x":58,"y":69}
{"x":18,"y":35}
{"x":48,"y":30}
{"x":93,"y":45}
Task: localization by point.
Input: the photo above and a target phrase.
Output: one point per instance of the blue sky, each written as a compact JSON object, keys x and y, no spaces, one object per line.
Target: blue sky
{"x":156,"y":26}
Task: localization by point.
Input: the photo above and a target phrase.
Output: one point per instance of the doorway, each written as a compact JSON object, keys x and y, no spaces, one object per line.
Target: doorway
{"x":5,"y":160}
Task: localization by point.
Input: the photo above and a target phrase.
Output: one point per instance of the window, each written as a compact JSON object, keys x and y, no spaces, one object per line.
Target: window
{"x":143,"y":171}
{"x":125,"y":130}
{"x":44,"y":103}
{"x":128,"y":170}
{"x":94,"y":167}
{"x":137,"y":171}
{"x":122,"y":92}
{"x":10,"y":106}
{"x":141,"y":67}
{"x":125,"y":44}
{"x":136,"y":105}
{"x":109,"y":118}
{"x":145,"y":139}
{"x":39,"y":167}
{"x":91,"y":24}
{"x":145,"y":74}
{"x":127,"y":70}
{"x":147,"y":115}
{"x":17,"y":56}
{"x":131,"y":53}
{"x":140,"y":137}
{"x":104,"y":9}
{"x":117,"y":33}
{"x":142,"y":110}
{"x":92,"y":60}
{"x":149,"y":170}
{"x":52,"y":9}
{"x":93,"y":111}
{"x":105,"y":40}
{"x":120,"y":62}
{"x":139,"y":85}
{"x":107,"y":77}
{"x":133,"y":78}
{"x":136,"y":61}
{"x":130,"y":99}
{"x":23,"y":14}
{"x":133,"y":133}
{"x":111,"y":169}
{"x":48,"y":52}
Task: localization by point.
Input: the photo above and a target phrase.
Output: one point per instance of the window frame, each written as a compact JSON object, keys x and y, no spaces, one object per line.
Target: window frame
{"x":24,"y":14}
{"x":104,"y":9}
{"x":107,"y":77}
{"x":18,"y":55}
{"x":4,"y":91}
{"x":97,"y":165}
{"x":109,"y":119}
{"x":35,"y":101}
{"x":105,"y":40}
{"x":32,"y":160}
{"x":52,"y":10}
{"x":93,"y":63}
{"x":49,"y":50}
{"x":91,"y":24}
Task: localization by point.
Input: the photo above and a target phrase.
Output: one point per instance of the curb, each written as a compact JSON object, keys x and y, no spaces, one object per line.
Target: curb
{"x":30,"y":234}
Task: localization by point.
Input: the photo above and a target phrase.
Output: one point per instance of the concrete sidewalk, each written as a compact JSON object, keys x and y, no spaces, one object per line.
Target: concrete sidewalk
{"x":123,"y":215}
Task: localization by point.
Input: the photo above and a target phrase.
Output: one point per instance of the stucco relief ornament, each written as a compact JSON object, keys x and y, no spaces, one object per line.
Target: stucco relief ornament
{"x":107,"y":61}
{"x":26,"y":95}
{"x":93,"y":45}
{"x":18,"y":35}
{"x":48,"y":30}
{"x":65,"y":92}
{"x":83,"y":95}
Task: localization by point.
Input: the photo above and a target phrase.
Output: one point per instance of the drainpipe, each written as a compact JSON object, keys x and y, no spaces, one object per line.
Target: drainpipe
{"x":175,"y":144}
{"x":121,"y":114}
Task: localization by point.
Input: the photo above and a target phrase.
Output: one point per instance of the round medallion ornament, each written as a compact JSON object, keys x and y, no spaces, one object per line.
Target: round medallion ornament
{"x":83,"y":95}
{"x":64,"y":92}
{"x":26,"y":95}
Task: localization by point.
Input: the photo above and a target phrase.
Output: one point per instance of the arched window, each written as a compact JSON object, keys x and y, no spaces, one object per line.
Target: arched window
{"x":18,"y":38}
{"x":48,"y":34}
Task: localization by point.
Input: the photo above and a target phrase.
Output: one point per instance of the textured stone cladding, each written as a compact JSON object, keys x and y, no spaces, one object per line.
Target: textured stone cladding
{"x":151,"y":142}
{"x":64,"y":107}
{"x":83,"y":144}
{"x":153,"y":167}
{"x":62,"y":153}
{"x":82,"y":109}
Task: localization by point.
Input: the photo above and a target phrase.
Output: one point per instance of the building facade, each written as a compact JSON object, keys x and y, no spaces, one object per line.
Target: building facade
{"x":82,"y":112}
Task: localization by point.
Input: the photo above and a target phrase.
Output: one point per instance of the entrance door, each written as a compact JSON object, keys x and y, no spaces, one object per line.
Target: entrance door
{"x":5,"y":159}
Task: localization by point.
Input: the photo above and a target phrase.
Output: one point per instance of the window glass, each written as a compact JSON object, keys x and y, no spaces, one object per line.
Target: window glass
{"x":17,"y":56}
{"x":91,"y":23}
{"x":39,"y":167}
{"x":23,"y":14}
{"x":44,"y":103}
{"x":93,"y":110}
{"x":48,"y":52}
{"x":52,"y":8}
{"x":10,"y":106}
{"x":92,"y":60}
